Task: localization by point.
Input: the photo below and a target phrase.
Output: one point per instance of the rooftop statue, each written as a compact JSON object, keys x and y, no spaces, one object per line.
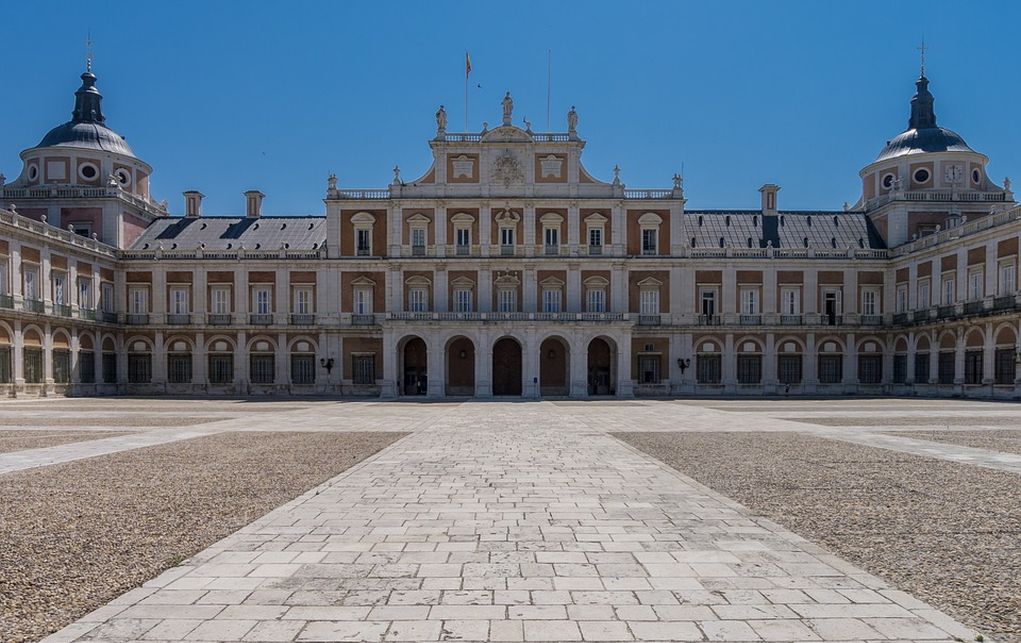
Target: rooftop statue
{"x":508,"y":107}
{"x":441,"y":120}
{"x":572,"y":120}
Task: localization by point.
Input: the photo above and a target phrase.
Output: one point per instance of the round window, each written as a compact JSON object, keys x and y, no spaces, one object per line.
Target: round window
{"x":976,"y":176}
{"x":88,"y":171}
{"x":33,"y":172}
{"x":888,"y":181}
{"x":922,"y":175}
{"x":123,"y":177}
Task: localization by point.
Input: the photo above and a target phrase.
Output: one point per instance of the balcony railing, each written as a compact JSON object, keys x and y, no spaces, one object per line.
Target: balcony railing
{"x":871,"y":320}
{"x":417,"y":251}
{"x":920,"y":315}
{"x":363,"y":320}
{"x":260,"y":319}
{"x":61,"y":310}
{"x":178,"y":319}
{"x":551,"y":250}
{"x":34,"y":306}
{"x":108,"y":317}
{"x":831,"y":320}
{"x":946,"y":311}
{"x":1004,"y":303}
{"x":900,"y":318}
{"x":790,"y":320}
{"x":219,"y":319}
{"x":506,"y":251}
{"x":709,"y":320}
{"x":595,"y":251}
{"x":649,"y":320}
{"x":973,"y":307}
{"x":136,"y":319}
{"x":303,"y":319}
{"x":87,"y":313}
{"x":649,"y":252}
{"x":6,"y":301}
{"x":462,"y":250}
{"x":363,"y":251}
{"x":750,"y":320}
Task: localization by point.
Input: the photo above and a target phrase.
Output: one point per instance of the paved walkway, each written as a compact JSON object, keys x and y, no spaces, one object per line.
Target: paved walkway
{"x":509,"y":522}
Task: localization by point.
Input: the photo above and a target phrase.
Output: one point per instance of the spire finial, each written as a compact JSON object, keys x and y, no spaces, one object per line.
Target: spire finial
{"x":921,"y":52}
{"x":88,"y":52}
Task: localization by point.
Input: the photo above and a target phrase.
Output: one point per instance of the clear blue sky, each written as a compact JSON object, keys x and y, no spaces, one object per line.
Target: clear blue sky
{"x":226,"y":96}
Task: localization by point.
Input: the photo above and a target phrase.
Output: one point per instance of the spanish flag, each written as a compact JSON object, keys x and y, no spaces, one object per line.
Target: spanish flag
{"x":467,"y":65}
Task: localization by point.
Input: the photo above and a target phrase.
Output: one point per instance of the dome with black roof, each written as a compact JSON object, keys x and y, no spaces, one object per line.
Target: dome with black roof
{"x":922,"y":134}
{"x":87,"y":128}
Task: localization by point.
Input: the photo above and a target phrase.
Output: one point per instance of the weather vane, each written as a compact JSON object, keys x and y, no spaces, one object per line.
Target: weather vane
{"x":88,"y":52}
{"x":921,"y":50}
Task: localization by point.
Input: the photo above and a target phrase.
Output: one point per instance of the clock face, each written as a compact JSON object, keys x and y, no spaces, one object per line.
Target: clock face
{"x":953,"y":173}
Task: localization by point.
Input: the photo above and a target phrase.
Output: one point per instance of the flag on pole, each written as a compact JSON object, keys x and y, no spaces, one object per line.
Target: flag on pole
{"x":467,"y":65}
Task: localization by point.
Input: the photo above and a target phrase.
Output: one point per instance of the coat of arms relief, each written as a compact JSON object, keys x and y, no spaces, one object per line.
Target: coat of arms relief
{"x":507,"y":168}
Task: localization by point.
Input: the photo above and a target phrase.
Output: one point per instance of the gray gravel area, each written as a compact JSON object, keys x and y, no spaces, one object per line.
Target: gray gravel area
{"x":911,"y":420}
{"x":85,"y":420}
{"x":1005,"y":440}
{"x":21,"y":440}
{"x":75,"y":536}
{"x":948,"y":533}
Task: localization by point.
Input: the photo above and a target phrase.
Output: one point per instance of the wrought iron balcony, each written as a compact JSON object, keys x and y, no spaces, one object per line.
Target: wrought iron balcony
{"x":34,"y":306}
{"x":417,"y":251}
{"x":750,"y":320}
{"x":6,"y":301}
{"x":462,"y":250}
{"x":219,"y":319}
{"x":595,"y":250}
{"x":61,"y":310}
{"x":944,"y":312}
{"x":790,"y":320}
{"x":710,"y":320}
{"x":108,"y":317}
{"x":363,"y":320}
{"x":871,"y":320}
{"x":178,"y":319}
{"x":974,"y":307}
{"x":136,"y":319}
{"x":260,"y":319}
{"x":303,"y":319}
{"x":507,"y":250}
{"x":1004,"y":303}
{"x":551,"y":250}
{"x":87,"y":313}
{"x":649,"y":320}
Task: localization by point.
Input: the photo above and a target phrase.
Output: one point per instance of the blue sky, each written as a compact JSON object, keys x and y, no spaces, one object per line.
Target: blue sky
{"x":224,"y":96}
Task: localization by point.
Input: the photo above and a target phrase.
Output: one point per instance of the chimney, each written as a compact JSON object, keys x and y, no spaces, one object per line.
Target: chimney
{"x":253,"y":200}
{"x":768,"y":192}
{"x":193,"y":203}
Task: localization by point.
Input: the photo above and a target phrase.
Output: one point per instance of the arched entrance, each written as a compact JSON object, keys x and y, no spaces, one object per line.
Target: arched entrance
{"x":415,"y":378}
{"x":507,"y":367}
{"x":554,"y":365}
{"x":460,"y":367}
{"x":600,"y":367}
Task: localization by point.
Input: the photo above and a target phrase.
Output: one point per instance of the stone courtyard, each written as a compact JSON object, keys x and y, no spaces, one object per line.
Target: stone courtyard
{"x":686,"y":520}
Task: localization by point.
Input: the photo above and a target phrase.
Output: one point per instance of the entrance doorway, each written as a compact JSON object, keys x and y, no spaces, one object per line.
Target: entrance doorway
{"x":416,"y":379}
{"x":554,"y":364}
{"x":460,"y":367}
{"x":507,"y":367}
{"x":600,"y":364}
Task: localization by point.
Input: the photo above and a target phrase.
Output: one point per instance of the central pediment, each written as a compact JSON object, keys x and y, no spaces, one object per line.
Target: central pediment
{"x":507,"y":134}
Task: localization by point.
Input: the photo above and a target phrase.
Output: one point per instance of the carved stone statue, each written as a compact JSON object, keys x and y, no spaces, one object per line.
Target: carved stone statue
{"x":678,"y":181}
{"x":397,"y":175}
{"x":572,"y":120}
{"x":441,"y":120}
{"x":331,"y":182}
{"x":3,"y":180}
{"x":113,"y":181}
{"x":508,"y":108}
{"x":1006,"y":182}
{"x":528,"y":125}
{"x":616,"y":175}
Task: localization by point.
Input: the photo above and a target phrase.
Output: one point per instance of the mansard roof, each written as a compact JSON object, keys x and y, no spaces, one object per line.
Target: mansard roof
{"x":786,"y":229}
{"x":232,"y":233}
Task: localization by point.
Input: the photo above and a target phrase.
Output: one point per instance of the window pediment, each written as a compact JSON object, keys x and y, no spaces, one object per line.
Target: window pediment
{"x":551,"y":218}
{"x":596,"y":282}
{"x":363,"y":282}
{"x":552,"y":282}
{"x":650,"y":219}
{"x":507,"y":281}
{"x":363,"y":218}
{"x":649,"y":282}
{"x":462,"y":282}
{"x":418,"y":280}
{"x":418,"y":219}
{"x":596,"y":219}
{"x":462,"y":218}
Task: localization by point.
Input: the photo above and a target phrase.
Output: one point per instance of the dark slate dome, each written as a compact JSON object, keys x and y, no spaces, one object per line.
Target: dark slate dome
{"x":922,"y":134}
{"x":87,"y":127}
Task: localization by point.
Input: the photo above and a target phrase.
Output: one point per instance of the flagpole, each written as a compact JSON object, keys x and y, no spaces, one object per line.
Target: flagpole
{"x":549,"y":84}
{"x":467,"y":70}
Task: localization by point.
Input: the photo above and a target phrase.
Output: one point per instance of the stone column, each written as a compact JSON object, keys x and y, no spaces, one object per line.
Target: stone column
{"x":810,"y":365}
{"x":485,"y":289}
{"x":159,"y":360}
{"x":728,"y":293}
{"x":989,"y":355}
{"x":529,"y":223}
{"x":769,"y":290}
{"x":909,"y":375}
{"x":573,"y":228}
{"x":530,"y":366}
{"x":241,"y":295}
{"x":485,"y":228}
{"x":528,"y":289}
{"x":241,"y":364}
{"x":850,"y":363}
{"x":729,"y":362}
{"x":769,"y":379}
{"x":625,"y":383}
{"x":18,"y":366}
{"x":578,"y":368}
{"x":388,"y":386}
{"x":435,"y":377}
{"x":282,"y":363}
{"x":282,"y":295}
{"x":810,"y":292}
{"x":200,"y":363}
{"x":47,"y":359}
{"x":484,"y":366}
{"x":573,"y":303}
{"x":850,"y":290}
{"x":440,"y":287}
{"x":617,"y":232}
{"x":199,"y":293}
{"x":440,"y":231}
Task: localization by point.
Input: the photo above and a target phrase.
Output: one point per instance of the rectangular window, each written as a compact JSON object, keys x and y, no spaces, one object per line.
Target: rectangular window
{"x":303,"y":369}
{"x":109,"y":368}
{"x":946,"y":367}
{"x":1006,"y":285}
{"x":709,"y":369}
{"x":788,"y":369}
{"x":921,"y":368}
{"x":1003,"y":366}
{"x":552,"y":237}
{"x":595,"y":300}
{"x":506,"y":236}
{"x":924,"y":290}
{"x":220,"y":299}
{"x":595,"y":237}
{"x":139,"y":368}
{"x":790,"y":301}
{"x":6,"y":370}
{"x":86,"y":367}
{"x":363,"y":240}
{"x":416,"y":300}
{"x":551,"y":300}
{"x":649,"y":237}
{"x":3,"y":276}
{"x":107,"y":302}
{"x":976,"y":283}
{"x":462,"y":300}
{"x":831,"y":369}
{"x":749,"y":369}
{"x":179,"y":301}
{"x":303,"y":301}
{"x":138,"y":300}
{"x":463,"y":236}
{"x":363,"y":301}
{"x":31,"y":278}
{"x":85,"y":293}
{"x":648,"y":369}
{"x":900,"y":368}
{"x":33,"y":365}
{"x":179,"y":368}
{"x":902,"y":298}
{"x":973,"y":367}
{"x":869,"y":299}
{"x":648,"y":300}
{"x":708,"y":303}
{"x":418,"y":237}
{"x":221,"y":369}
{"x":948,"y":291}
{"x":749,"y":301}
{"x":262,"y":368}
{"x":59,"y":281}
{"x":507,"y":300}
{"x":62,"y":366}
{"x":870,"y":369}
{"x":363,"y":369}
{"x":263,"y":301}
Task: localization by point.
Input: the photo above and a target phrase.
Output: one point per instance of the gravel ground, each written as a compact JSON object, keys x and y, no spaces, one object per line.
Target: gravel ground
{"x":85,"y":420}
{"x":948,"y":533}
{"x":911,"y":420}
{"x":1006,"y":440}
{"x":74,"y":536}
{"x":21,"y":440}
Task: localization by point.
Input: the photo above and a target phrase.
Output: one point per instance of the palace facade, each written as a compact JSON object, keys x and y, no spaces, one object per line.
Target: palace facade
{"x":507,"y":269}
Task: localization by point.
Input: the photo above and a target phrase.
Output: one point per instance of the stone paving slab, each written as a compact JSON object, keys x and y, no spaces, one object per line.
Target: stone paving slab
{"x":510,"y":522}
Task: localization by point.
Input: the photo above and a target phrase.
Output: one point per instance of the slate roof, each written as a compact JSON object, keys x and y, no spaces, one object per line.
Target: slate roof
{"x":230,"y":233}
{"x":788,"y":229}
